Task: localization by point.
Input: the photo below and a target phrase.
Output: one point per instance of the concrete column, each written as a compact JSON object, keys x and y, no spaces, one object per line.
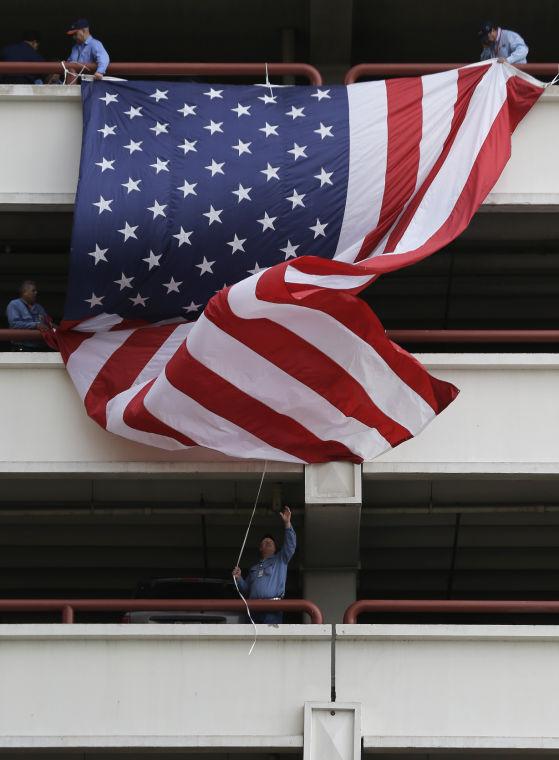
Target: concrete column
{"x":331,"y":26}
{"x":331,"y":548}
{"x":332,"y":731}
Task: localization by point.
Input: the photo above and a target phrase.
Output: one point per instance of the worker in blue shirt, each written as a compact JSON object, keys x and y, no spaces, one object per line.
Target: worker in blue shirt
{"x":24,"y":313}
{"x":266,"y":579}
{"x":27,"y":51}
{"x":502,"y":44}
{"x":86,"y":48}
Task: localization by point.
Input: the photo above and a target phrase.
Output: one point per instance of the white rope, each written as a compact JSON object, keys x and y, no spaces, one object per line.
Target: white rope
{"x":553,"y":81}
{"x":73,"y":73}
{"x":241,"y":554}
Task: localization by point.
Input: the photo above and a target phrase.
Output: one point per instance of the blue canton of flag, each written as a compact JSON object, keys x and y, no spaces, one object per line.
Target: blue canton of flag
{"x":186,"y":188}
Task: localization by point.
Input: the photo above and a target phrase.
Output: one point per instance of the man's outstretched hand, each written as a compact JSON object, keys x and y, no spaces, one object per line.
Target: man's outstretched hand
{"x":285,"y":515}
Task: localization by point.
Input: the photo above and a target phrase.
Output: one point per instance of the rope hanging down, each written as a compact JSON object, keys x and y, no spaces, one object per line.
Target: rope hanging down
{"x":241,"y":554}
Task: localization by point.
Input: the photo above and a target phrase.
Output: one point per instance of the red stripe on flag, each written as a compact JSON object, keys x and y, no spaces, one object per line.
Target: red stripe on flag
{"x":491,"y":160}
{"x":468,"y":79}
{"x":123,"y":367}
{"x":219,"y":396}
{"x":138,"y":417}
{"x":405,"y":121}
{"x":308,"y":365}
{"x":358,"y":317}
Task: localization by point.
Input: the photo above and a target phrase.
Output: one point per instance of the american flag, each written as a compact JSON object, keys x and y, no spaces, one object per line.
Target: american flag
{"x":222,"y":234}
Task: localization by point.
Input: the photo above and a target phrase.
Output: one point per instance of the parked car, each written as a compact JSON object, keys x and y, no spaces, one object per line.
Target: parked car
{"x":185,"y":588}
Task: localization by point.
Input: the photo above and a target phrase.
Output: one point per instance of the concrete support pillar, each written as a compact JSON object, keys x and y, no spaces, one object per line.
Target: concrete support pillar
{"x":331,"y":548}
{"x":331,"y":26}
{"x":332,"y":731}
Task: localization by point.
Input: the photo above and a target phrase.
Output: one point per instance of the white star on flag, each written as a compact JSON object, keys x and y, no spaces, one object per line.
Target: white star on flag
{"x":214,"y":127}
{"x":133,"y":146}
{"x":213,"y":215}
{"x":152,"y":260}
{"x":131,"y":185}
{"x":323,"y":131}
{"x":242,"y":147}
{"x":205,"y":266}
{"x":188,"y":188}
{"x":290,"y":250}
{"x":192,"y":307}
{"x":124,"y":282}
{"x":183,"y":237}
{"x":296,"y":199}
{"x":242,"y":193}
{"x":160,"y":165}
{"x":241,"y":110}
{"x":187,"y":110}
{"x":158,"y":209}
{"x":319,"y":228}
{"x":269,"y":129}
{"x":266,"y":99}
{"x":215,"y":168}
{"x":103,"y":205}
{"x":295,"y":113}
{"x":298,"y":151}
{"x":267,"y":222}
{"x":105,"y":164}
{"x":133,"y":112}
{"x":94,"y":300}
{"x":98,"y":254}
{"x":107,"y":130}
{"x":237,"y":244}
{"x":159,"y":95}
{"x":271,"y":172}
{"x":139,"y":300}
{"x":110,"y":97}
{"x":214,"y":93}
{"x":321,"y":94}
{"x":188,"y":145}
{"x":159,"y":128}
{"x":256,"y":269}
{"x":324,"y":177}
{"x":172,"y":286}
{"x":128,"y":231}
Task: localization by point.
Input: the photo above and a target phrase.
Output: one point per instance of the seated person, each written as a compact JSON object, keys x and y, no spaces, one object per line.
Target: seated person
{"x":24,"y":313}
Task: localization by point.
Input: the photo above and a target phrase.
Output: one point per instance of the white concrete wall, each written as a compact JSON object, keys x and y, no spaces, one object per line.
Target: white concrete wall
{"x":159,"y":686}
{"x":504,"y":421}
{"x":48,"y":119}
{"x":436,"y":687}
{"x":45,"y":430}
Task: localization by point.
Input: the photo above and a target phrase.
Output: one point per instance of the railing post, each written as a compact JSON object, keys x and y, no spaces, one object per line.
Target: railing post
{"x":67,"y":614}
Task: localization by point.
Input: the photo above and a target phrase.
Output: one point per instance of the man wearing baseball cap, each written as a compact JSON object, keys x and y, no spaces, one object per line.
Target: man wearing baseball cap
{"x":502,"y":44}
{"x":86,"y":48}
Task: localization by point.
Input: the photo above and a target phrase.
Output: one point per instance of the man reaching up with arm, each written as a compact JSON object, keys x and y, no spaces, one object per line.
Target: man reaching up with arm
{"x":266,"y":579}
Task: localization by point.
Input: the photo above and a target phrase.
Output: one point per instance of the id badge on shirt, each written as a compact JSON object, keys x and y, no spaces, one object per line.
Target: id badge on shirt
{"x":260,"y":572}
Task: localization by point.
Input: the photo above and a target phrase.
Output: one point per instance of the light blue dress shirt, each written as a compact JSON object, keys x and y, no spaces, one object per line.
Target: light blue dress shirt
{"x":91,"y":51}
{"x":509,"y":45}
{"x":266,"y":579}
{"x":21,"y":316}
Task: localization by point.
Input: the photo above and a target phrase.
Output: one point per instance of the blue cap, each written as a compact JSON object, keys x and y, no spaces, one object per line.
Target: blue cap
{"x":81,"y":23}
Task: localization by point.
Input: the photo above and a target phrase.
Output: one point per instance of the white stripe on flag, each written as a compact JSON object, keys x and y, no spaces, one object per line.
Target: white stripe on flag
{"x":368,"y":142}
{"x":440,"y":199}
{"x":90,"y":357}
{"x":115,"y":423}
{"x":334,"y":282}
{"x":183,"y":413}
{"x":257,"y":377}
{"x":160,"y":358}
{"x":385,"y":388}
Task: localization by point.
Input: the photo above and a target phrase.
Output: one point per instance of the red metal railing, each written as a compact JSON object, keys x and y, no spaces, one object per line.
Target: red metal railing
{"x":418,"y":69}
{"x":400,"y":336}
{"x":175,"y":69}
{"x":450,"y":606}
{"x":68,"y":607}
